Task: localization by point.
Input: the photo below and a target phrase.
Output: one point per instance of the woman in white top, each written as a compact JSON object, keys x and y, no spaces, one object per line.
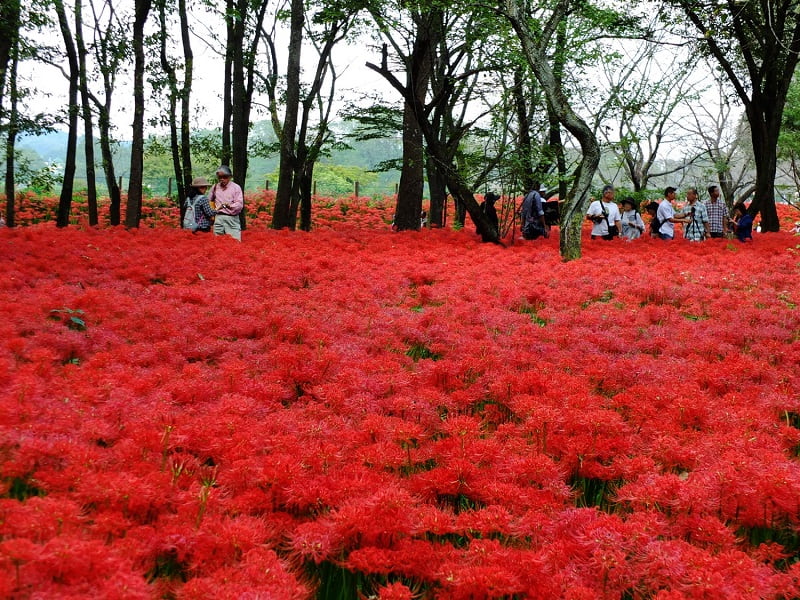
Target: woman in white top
{"x":632,"y":222}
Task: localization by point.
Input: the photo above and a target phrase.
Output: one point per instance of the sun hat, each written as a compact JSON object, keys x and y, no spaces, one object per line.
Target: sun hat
{"x":199,"y":182}
{"x":629,"y":201}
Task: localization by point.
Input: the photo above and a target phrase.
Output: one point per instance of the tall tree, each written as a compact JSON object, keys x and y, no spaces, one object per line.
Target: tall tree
{"x":757,"y":46}
{"x":244,"y":27}
{"x":65,"y":199}
{"x":281,"y":215}
{"x":12,"y":130}
{"x":86,"y":113}
{"x":10,"y":22}
{"x":178,"y":94}
{"x":134,"y":206}
{"x":721,"y":135}
{"x":443,"y":52}
{"x":641,"y":86}
{"x":10,"y":12}
{"x":534,"y":44}
{"x":111,"y":47}
{"x":454,"y":179}
{"x":323,"y":30}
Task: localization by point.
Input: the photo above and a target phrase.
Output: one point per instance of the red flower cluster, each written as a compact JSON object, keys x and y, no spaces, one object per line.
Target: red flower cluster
{"x":402,"y":415}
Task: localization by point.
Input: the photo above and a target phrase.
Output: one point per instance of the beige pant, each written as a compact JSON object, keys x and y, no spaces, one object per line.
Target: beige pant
{"x":227,"y":224}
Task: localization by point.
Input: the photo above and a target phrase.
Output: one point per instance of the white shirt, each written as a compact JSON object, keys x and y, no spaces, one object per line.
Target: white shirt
{"x":664,"y":214}
{"x":632,"y":224}
{"x":596,"y":210}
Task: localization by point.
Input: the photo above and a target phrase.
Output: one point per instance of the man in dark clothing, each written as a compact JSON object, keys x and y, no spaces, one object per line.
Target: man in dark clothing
{"x":532,"y":213}
{"x":488,"y":209}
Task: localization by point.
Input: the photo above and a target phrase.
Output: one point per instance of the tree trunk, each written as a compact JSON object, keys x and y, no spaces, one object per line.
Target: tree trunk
{"x":11,"y":139}
{"x":438,"y":193}
{"x":306,"y":183}
{"x":174,"y":96}
{"x":65,"y":200}
{"x":114,"y":193}
{"x":412,"y":183}
{"x":227,"y":102}
{"x":764,"y":135}
{"x":244,"y":64}
{"x":88,"y":126}
{"x":108,"y":57}
{"x":134,"y":205}
{"x":534,"y":50}
{"x":186,"y":95}
{"x":10,"y":11}
{"x":524,"y":141}
{"x":282,"y":215}
{"x":412,"y":175}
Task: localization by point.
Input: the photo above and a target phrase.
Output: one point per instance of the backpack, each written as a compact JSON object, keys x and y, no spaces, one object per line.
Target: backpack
{"x":189,"y":218}
{"x":655,"y":226}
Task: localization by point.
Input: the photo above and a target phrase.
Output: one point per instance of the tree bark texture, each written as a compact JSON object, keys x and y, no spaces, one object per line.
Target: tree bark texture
{"x":88,"y":120}
{"x":11,"y":139}
{"x":535,"y":51}
{"x":65,"y":199}
{"x":412,"y":176}
{"x":134,"y":205}
{"x":282,"y":216}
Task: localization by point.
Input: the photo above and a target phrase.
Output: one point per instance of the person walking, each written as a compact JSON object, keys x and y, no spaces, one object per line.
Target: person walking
{"x":228,"y":198}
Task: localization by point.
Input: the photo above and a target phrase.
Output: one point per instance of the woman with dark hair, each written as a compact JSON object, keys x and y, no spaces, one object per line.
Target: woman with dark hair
{"x":632,"y":223}
{"x":742,"y":222}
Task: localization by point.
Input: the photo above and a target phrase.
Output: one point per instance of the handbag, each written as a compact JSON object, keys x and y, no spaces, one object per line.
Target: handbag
{"x":613,"y":230}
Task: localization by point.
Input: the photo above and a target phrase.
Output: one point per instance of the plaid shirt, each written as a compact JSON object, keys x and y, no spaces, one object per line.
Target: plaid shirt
{"x":203,"y":213}
{"x":695,"y":229}
{"x":716,"y":215}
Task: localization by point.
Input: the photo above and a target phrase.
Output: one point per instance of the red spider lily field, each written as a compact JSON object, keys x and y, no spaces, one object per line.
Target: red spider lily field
{"x":357,"y":413}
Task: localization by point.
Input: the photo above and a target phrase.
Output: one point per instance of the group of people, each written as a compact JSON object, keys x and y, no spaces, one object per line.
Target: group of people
{"x":218,"y":211}
{"x":700,"y":220}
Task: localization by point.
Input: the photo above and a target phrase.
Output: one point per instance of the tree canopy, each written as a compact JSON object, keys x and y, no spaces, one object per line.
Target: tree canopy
{"x":572,"y":94}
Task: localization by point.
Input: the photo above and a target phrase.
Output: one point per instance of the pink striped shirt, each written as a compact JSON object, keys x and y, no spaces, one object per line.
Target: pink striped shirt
{"x":230,"y":196}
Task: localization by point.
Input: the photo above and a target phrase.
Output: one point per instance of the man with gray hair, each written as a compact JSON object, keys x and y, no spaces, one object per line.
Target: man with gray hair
{"x":228,"y":199}
{"x":605,"y":216}
{"x":697,"y":226}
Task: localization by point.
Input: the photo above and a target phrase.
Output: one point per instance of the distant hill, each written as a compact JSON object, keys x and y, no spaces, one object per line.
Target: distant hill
{"x":51,"y":148}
